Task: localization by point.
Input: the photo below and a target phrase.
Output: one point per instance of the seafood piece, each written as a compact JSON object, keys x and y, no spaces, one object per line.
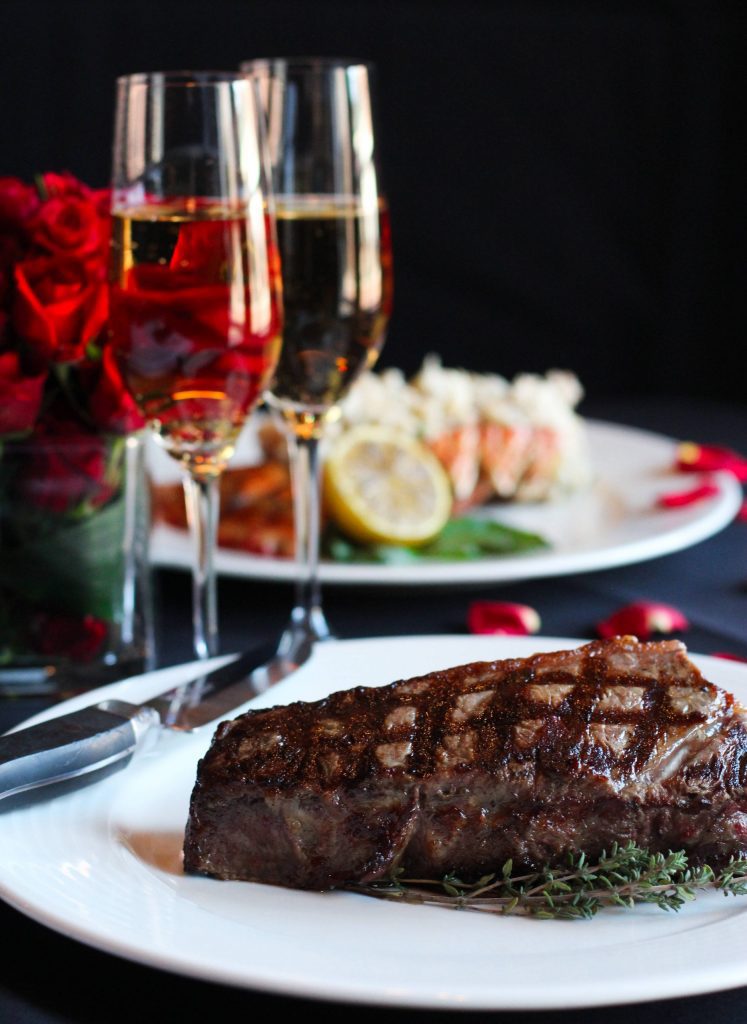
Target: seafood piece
{"x":514,"y":440}
{"x":533,"y":445}
{"x":256,"y":509}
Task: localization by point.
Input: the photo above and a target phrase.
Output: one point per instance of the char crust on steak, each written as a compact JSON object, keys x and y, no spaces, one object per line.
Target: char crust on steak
{"x":461,"y":769}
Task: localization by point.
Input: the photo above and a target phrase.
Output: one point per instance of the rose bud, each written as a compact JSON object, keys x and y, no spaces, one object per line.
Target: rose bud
{"x":675,"y":499}
{"x":502,"y":617}
{"x":693,"y":457}
{"x":641,"y":619}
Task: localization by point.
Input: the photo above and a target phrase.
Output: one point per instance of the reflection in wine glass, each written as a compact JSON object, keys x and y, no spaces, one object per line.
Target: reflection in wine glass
{"x":195,"y":312}
{"x":334,"y":240}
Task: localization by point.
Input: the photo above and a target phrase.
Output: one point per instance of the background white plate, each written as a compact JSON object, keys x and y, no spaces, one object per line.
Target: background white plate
{"x":102,"y":865}
{"x":614,"y":523}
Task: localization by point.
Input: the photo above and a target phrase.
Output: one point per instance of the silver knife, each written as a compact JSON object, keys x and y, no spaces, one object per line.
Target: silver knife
{"x":107,"y":733}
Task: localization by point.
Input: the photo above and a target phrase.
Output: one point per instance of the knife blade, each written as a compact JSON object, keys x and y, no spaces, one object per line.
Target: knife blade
{"x":107,"y":733}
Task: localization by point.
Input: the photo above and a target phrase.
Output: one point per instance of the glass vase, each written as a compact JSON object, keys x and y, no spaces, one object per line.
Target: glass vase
{"x":76,"y":607}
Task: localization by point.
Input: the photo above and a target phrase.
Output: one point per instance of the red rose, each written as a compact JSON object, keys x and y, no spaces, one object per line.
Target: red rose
{"x":58,"y":309}
{"x":18,"y":202}
{"x":54,"y":307}
{"x":65,"y":184}
{"x":200,"y":251}
{"x":102,"y":200}
{"x":14,"y":243}
{"x":60,"y":466}
{"x":110,"y":404}
{"x":66,"y":635}
{"x":69,"y":226}
{"x":20,"y":397}
{"x":11,"y":252}
{"x":177,"y":311}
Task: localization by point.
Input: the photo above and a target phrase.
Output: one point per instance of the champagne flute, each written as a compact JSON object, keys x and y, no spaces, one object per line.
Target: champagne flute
{"x":195,"y":292}
{"x":334,"y":240}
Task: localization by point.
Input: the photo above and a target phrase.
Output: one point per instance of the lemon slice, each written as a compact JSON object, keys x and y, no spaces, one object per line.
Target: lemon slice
{"x":382,"y":487}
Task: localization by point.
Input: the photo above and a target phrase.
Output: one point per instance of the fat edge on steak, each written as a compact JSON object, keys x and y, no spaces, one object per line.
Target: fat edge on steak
{"x":461,"y":769}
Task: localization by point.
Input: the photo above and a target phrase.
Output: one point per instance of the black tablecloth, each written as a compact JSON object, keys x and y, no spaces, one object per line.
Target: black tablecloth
{"x":49,"y":979}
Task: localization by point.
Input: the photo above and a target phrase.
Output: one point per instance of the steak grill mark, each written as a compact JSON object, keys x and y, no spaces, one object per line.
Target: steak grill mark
{"x":460,"y":769}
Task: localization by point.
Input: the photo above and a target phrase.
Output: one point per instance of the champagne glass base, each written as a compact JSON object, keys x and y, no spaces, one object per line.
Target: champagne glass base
{"x":305,"y":628}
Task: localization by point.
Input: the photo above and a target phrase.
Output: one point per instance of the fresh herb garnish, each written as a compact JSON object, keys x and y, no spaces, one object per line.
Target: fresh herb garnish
{"x":461,"y":540}
{"x":626,"y":876}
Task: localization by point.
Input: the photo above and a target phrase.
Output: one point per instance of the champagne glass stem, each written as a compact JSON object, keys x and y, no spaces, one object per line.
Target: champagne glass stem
{"x":307,"y":623}
{"x":202,"y":499}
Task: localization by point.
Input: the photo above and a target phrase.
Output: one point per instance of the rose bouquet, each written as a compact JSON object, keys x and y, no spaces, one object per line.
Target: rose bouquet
{"x":64,"y":421}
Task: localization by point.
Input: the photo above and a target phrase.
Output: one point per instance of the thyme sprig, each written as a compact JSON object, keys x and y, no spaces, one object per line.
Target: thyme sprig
{"x":625,"y":876}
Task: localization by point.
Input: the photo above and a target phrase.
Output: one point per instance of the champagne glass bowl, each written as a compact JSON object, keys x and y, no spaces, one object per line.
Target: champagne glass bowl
{"x":195,"y":294}
{"x":335,"y":247}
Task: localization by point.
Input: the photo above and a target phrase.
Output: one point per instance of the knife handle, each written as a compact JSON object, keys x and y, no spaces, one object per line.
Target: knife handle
{"x":71,"y":745}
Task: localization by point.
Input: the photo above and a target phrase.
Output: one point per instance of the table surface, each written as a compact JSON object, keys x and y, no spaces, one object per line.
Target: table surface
{"x":49,"y":979}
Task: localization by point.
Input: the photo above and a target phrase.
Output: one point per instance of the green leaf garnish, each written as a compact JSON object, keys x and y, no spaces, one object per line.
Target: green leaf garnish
{"x":464,"y":539}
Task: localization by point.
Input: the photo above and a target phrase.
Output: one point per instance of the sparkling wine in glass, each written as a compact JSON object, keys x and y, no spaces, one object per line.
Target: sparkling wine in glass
{"x":195,"y":291}
{"x":335,"y":246}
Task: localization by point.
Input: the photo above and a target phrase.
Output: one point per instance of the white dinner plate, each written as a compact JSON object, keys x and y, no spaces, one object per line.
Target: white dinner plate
{"x":102,"y":865}
{"x":614,"y":522}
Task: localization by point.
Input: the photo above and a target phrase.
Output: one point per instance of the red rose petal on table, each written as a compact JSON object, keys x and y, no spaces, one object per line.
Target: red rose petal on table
{"x":693,"y":457}
{"x":742,"y":513}
{"x":675,"y":499}
{"x":502,"y":617}
{"x":727,"y":655}
{"x":641,"y":619}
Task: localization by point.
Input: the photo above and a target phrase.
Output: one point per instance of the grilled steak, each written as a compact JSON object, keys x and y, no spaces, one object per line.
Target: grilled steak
{"x":461,"y":769}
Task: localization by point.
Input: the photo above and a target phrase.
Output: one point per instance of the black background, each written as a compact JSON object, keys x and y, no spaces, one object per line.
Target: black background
{"x":565,"y":178}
